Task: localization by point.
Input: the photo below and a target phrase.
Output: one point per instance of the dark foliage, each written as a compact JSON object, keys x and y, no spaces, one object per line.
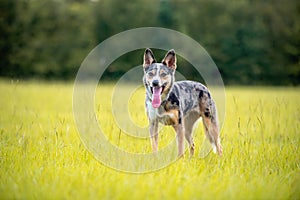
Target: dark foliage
{"x":252,"y":42}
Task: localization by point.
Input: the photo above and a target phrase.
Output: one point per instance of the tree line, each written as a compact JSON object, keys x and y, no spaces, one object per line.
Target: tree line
{"x":251,"y":42}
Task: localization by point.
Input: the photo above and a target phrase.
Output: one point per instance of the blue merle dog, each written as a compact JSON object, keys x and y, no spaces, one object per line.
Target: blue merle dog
{"x":178,"y":104}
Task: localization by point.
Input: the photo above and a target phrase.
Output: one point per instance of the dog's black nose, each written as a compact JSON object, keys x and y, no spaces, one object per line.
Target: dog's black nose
{"x":155,"y":83}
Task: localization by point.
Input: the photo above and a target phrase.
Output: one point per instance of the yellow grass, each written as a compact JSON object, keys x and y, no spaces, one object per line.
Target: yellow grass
{"x":42,"y":157}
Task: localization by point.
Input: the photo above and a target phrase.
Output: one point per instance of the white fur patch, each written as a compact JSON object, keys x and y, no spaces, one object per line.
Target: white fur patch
{"x":214,"y":148}
{"x":152,"y":112}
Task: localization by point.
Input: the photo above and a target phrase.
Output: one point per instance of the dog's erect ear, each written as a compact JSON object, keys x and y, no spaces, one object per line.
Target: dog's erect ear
{"x":170,"y":59}
{"x":148,"y":58}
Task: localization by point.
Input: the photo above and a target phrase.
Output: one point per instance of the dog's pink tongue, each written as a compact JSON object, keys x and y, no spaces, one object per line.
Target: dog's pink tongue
{"x":156,"y":101}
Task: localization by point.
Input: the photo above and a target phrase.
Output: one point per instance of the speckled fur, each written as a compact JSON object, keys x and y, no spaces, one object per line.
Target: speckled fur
{"x":182,"y":104}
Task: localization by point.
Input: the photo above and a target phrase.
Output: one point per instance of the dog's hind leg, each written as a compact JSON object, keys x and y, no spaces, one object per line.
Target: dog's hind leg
{"x":153,"y":129}
{"x":189,"y":122}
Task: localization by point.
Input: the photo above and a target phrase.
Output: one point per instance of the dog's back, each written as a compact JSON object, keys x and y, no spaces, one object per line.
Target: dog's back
{"x":190,"y":94}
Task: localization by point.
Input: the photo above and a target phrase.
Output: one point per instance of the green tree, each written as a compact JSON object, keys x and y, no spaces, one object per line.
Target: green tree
{"x":252,"y":42}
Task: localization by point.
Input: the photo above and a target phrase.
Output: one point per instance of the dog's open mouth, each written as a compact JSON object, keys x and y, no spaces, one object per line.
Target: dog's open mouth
{"x":156,"y":96}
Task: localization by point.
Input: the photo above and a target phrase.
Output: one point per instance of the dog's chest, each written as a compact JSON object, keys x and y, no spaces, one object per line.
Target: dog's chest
{"x":152,"y":112}
{"x":164,"y":117}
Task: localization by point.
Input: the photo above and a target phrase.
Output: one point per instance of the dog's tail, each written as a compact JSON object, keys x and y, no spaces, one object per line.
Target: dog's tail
{"x":211,"y":123}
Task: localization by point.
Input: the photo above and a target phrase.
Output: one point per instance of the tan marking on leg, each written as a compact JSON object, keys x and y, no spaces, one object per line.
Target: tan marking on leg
{"x":154,"y":136}
{"x":172,"y":117}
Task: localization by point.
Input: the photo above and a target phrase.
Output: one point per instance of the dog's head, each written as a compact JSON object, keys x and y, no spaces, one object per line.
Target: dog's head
{"x":159,"y":77}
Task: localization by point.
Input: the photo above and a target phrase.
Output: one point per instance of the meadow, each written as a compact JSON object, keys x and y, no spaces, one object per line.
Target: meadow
{"x":42,"y":156}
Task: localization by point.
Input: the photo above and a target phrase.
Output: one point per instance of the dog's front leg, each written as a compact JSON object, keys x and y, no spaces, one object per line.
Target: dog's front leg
{"x":154,"y":135}
{"x":179,"y":128}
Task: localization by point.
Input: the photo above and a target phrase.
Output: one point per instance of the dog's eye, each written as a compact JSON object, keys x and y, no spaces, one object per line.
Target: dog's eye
{"x":150,"y":74}
{"x":163,"y":74}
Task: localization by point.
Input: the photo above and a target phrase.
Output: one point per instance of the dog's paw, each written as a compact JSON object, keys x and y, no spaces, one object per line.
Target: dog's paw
{"x":214,"y":148}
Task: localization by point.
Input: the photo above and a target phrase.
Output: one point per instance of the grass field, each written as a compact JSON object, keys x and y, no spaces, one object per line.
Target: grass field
{"x":42,"y":157}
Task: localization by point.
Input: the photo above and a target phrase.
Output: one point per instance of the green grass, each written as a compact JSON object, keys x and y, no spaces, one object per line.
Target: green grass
{"x":42,"y":157}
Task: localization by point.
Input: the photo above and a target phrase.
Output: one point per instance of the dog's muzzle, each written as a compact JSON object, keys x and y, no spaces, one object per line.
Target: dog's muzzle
{"x":156,"y":91}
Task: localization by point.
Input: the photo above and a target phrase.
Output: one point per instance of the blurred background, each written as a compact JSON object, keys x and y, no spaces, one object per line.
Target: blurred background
{"x":251,"y":42}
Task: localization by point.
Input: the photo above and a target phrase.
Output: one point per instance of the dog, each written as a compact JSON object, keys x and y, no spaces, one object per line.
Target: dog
{"x":178,"y":104}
